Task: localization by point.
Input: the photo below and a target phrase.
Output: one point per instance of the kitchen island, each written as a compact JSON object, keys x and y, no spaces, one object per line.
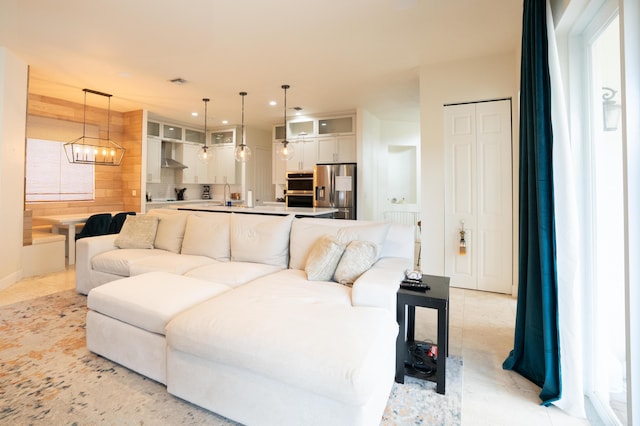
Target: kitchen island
{"x":267,"y":210}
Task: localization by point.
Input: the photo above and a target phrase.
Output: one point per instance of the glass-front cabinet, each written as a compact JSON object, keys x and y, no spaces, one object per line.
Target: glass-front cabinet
{"x":153,"y":129}
{"x":337,"y":125}
{"x":194,"y":136}
{"x":169,"y":131}
{"x":301,"y":128}
{"x":223,"y":137}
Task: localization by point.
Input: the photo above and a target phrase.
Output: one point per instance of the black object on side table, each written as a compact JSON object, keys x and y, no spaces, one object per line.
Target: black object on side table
{"x":436,"y":297}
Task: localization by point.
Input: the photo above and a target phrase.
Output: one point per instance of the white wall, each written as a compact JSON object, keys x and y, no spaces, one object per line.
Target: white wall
{"x":368,"y":131}
{"x":13,"y":113}
{"x":474,"y":79}
{"x":374,"y":138}
{"x":398,"y":134}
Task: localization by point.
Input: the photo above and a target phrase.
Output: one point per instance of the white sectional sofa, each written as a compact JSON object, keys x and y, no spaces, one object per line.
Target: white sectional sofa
{"x":241,"y":314}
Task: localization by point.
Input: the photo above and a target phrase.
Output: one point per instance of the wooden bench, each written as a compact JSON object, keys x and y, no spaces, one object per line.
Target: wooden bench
{"x":45,"y":255}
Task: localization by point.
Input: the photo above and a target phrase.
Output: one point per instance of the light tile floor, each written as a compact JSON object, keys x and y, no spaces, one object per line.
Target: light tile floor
{"x":481,"y":331}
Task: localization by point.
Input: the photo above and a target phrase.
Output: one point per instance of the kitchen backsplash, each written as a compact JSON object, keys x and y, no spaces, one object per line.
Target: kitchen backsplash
{"x":164,"y":191}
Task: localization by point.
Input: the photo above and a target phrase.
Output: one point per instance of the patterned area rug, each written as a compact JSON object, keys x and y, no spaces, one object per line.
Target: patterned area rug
{"x":47,"y":376}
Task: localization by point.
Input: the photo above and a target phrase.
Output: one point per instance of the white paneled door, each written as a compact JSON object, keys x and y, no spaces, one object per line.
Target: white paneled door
{"x":478,"y":195}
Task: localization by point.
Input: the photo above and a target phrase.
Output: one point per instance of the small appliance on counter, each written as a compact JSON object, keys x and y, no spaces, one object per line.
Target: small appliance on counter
{"x":206,"y":192}
{"x":180,"y":193}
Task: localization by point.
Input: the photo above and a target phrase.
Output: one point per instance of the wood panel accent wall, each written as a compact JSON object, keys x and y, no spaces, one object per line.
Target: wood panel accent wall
{"x":132,"y":162}
{"x":112,"y":184}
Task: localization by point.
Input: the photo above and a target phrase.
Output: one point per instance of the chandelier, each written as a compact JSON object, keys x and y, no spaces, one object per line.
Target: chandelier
{"x":94,"y":150}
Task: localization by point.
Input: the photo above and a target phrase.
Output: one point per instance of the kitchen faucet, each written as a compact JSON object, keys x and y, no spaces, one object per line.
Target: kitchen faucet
{"x":226,"y":187}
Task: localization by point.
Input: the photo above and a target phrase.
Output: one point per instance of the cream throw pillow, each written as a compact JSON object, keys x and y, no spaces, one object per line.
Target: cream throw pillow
{"x":138,"y":232}
{"x":323,"y":258}
{"x":358,"y":257}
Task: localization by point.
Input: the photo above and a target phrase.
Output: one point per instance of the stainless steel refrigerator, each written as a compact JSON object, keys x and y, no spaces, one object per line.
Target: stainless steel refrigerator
{"x":334,"y":186}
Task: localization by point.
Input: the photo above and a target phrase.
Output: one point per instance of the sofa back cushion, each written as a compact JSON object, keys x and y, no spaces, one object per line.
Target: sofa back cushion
{"x":305,"y":232}
{"x":207,"y":234}
{"x":260,"y":238}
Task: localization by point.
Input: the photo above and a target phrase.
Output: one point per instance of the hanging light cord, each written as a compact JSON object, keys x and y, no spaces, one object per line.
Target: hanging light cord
{"x":205,"y":100}
{"x":285,"y":87}
{"x":243,"y":94}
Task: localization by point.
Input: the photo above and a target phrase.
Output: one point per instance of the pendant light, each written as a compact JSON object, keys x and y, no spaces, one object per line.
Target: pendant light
{"x":204,"y":155}
{"x":285,"y":151}
{"x":94,"y":150}
{"x":242,"y":153}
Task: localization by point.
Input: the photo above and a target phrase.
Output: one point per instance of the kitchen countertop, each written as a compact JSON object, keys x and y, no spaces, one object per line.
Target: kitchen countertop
{"x":174,"y":201}
{"x":267,"y":209}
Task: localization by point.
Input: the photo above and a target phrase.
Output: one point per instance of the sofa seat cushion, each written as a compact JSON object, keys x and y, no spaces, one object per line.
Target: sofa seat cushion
{"x":292,"y":333}
{"x":293,"y":284}
{"x":118,"y":262}
{"x":169,"y":262}
{"x":232,"y":273}
{"x":151,"y":300}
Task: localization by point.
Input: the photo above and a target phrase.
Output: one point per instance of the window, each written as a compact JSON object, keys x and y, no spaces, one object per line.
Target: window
{"x":50,"y":176}
{"x":608,"y":253}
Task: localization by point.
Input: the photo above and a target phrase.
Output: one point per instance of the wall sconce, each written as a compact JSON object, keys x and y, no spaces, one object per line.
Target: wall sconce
{"x":610,"y":110}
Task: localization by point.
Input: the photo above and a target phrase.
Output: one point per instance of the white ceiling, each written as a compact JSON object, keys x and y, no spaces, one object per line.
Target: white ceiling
{"x":337,"y":55}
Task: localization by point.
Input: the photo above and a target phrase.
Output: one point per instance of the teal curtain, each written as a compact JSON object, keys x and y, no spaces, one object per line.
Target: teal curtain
{"x":536,"y":353}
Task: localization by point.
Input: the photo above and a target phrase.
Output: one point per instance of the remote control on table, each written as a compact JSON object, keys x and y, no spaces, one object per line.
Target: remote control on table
{"x":415,"y":285}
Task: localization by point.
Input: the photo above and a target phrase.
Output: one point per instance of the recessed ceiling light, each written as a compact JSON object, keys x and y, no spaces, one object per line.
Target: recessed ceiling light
{"x":194,"y":114}
{"x":178,"y":81}
{"x":273,"y":103}
{"x":225,"y":121}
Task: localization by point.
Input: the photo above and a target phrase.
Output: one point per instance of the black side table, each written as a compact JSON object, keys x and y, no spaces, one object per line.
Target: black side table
{"x":436,"y":298}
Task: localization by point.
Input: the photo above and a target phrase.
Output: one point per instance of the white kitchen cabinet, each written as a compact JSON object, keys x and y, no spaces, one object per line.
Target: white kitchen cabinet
{"x":305,"y":155}
{"x":337,"y":149}
{"x":154,"y":156}
{"x":196,"y":171}
{"x":222,"y":166}
{"x":279,"y":167}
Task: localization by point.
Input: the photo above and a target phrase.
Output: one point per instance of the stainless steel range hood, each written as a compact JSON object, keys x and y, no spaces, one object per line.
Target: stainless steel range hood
{"x":166,"y":160}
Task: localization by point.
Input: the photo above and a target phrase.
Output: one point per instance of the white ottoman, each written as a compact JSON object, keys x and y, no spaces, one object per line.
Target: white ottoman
{"x":278,"y":352}
{"x":127,"y":318}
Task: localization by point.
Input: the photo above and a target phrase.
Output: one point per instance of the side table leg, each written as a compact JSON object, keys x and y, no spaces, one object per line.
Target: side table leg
{"x":411,"y":323}
{"x":400,"y":343}
{"x":442,"y":350}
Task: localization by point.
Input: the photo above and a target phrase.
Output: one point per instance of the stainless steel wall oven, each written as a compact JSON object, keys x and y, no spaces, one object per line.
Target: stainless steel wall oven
{"x":299,"y":190}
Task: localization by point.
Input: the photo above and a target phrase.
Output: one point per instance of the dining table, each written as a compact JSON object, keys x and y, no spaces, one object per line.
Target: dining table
{"x":66,"y":224}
